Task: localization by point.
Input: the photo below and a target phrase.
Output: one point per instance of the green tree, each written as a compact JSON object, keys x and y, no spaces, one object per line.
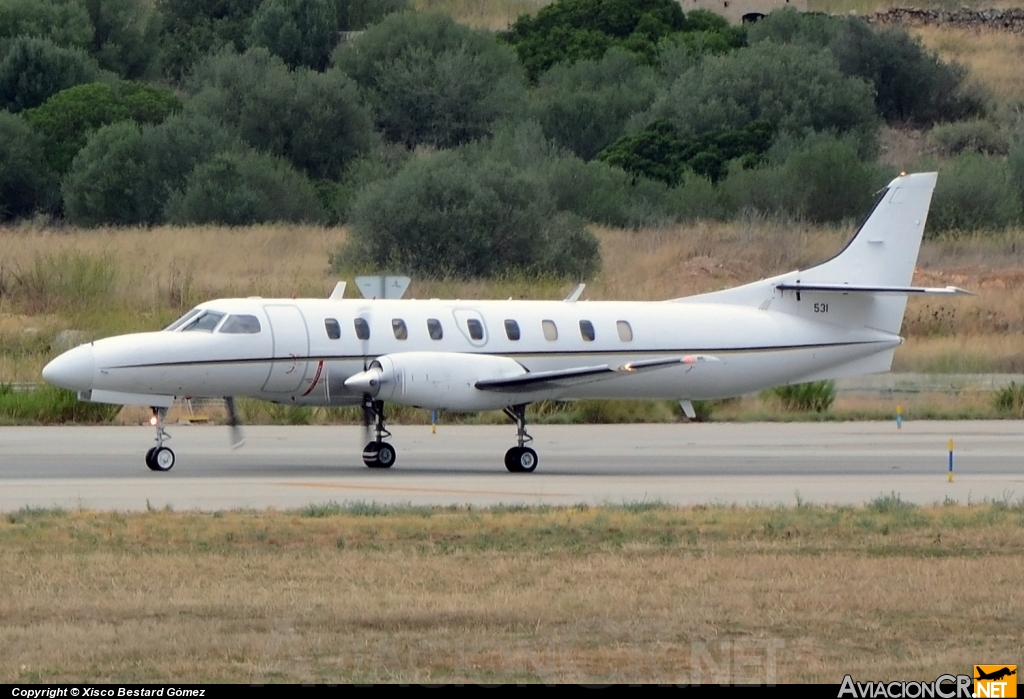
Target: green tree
{"x":315,"y":120}
{"x":66,"y":119}
{"x":66,"y":24}
{"x":25,"y":183}
{"x":431,"y":81}
{"x":975,"y":192}
{"x":912,"y":84}
{"x":796,"y":89}
{"x":300,"y":32}
{"x":34,"y":69}
{"x":125,"y":36}
{"x":130,"y":172}
{"x":94,"y":190}
{"x":192,"y":29}
{"x":242,"y":188}
{"x":573,"y":30}
{"x":442,"y":216}
{"x":585,"y":106}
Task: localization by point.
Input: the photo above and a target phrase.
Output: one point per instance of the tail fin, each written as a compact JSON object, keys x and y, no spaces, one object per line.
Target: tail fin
{"x":866,"y":284}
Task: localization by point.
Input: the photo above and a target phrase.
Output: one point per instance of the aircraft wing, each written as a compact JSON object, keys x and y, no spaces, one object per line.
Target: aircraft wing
{"x":876,"y":290}
{"x":560,"y":378}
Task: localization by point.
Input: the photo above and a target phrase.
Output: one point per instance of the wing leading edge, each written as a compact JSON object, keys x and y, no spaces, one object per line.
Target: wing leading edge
{"x":560,"y":378}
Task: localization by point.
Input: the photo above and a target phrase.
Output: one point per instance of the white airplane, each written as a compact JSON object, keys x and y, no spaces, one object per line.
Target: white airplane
{"x":839,"y":318}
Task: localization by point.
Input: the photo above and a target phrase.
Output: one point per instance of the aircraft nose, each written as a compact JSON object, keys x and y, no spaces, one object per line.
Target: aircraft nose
{"x":72,"y":370}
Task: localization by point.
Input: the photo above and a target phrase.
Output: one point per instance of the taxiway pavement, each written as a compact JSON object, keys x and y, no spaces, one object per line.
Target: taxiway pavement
{"x":289,"y":467}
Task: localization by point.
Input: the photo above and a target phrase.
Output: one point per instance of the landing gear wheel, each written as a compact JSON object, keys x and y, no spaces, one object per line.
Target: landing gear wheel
{"x":149,"y":459}
{"x":385,"y":455}
{"x":379,"y":455}
{"x":521,"y":460}
{"x":162,"y":459}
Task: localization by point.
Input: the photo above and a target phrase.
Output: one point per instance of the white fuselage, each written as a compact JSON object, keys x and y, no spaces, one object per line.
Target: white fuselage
{"x":305,"y":349}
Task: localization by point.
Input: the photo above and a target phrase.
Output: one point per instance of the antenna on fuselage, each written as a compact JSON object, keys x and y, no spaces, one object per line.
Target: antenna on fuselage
{"x":576,"y":293}
{"x":339,"y":292}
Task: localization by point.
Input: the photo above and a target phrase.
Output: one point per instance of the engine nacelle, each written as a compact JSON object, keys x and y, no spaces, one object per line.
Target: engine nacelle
{"x":437,"y":380}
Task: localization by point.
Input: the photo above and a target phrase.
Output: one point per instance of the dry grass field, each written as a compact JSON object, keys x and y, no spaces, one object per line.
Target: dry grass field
{"x":642,"y":593}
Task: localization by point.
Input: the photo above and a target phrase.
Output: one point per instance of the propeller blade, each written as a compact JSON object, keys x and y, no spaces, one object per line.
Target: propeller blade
{"x":237,"y":438}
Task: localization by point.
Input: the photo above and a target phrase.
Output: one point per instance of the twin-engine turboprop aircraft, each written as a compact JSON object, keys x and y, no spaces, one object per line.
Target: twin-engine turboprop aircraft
{"x":839,"y":318}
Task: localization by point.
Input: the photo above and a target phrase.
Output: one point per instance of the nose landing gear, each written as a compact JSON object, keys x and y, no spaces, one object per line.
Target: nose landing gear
{"x":159,"y":458}
{"x":378,"y":453}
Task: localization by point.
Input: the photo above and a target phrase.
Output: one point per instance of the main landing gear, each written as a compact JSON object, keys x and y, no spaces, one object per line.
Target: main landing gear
{"x":159,"y":458}
{"x":521,"y":459}
{"x":378,"y":453}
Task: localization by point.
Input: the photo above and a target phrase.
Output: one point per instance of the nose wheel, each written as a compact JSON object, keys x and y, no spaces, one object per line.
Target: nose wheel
{"x":378,"y":453}
{"x":159,"y":458}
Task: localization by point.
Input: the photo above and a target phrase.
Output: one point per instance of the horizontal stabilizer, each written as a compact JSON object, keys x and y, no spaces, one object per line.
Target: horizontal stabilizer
{"x":883,"y":290}
{"x":560,"y":378}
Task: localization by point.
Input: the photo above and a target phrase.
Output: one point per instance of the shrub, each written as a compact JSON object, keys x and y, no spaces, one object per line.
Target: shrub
{"x":194,"y":28}
{"x":242,"y":188}
{"x":829,"y":183}
{"x":910,"y":83}
{"x":51,"y":405}
{"x":34,"y":69}
{"x":659,"y":152}
{"x":1010,"y":400}
{"x":125,"y":36}
{"x":584,"y":106}
{"x":431,"y":81}
{"x":359,"y":14}
{"x":974,"y":192}
{"x":65,"y":120}
{"x":976,"y":136}
{"x":300,"y":32}
{"x":25,"y":183}
{"x":795,"y":89}
{"x":573,"y":30}
{"x":442,"y":216}
{"x":66,"y":24}
{"x":315,"y":120}
{"x":127,"y":175}
{"x":816,"y":396}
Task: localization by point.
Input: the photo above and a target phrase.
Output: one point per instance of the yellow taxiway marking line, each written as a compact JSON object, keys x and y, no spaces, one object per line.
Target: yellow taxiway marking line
{"x":419,"y":489}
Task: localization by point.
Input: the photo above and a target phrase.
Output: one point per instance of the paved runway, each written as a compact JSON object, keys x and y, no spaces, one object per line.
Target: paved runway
{"x":289,"y":467}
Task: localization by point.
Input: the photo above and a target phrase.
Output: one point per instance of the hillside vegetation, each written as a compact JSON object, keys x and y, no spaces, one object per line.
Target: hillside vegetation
{"x":619,"y":113}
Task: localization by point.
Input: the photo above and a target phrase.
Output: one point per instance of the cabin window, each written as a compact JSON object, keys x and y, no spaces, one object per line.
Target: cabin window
{"x":434,"y":329}
{"x":587,"y":330}
{"x":184,"y":319}
{"x":204,"y":323}
{"x":512,"y":330}
{"x":241,"y":325}
{"x":399,"y":328}
{"x":550,"y":330}
{"x":362,"y":328}
{"x":476,"y":329}
{"x":333,"y":328}
{"x":625,"y":331}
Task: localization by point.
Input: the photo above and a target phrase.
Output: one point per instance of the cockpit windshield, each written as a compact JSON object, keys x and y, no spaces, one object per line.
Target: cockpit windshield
{"x":204,"y":322}
{"x":184,"y":319}
{"x":241,"y":325}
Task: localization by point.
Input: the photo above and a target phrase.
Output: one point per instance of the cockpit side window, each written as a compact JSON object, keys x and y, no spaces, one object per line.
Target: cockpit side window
{"x":184,"y":319}
{"x":206,"y":322}
{"x":241,"y":325}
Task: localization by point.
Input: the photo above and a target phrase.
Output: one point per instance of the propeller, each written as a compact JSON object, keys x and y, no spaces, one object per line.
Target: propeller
{"x":237,"y":438}
{"x":368,"y":416}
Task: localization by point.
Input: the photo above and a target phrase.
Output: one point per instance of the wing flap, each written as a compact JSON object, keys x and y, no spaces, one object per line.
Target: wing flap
{"x":560,"y":378}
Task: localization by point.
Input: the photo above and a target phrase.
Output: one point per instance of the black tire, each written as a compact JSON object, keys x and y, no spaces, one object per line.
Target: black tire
{"x":149,"y":459}
{"x":370,"y":455}
{"x":162,"y":459}
{"x":512,"y":459}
